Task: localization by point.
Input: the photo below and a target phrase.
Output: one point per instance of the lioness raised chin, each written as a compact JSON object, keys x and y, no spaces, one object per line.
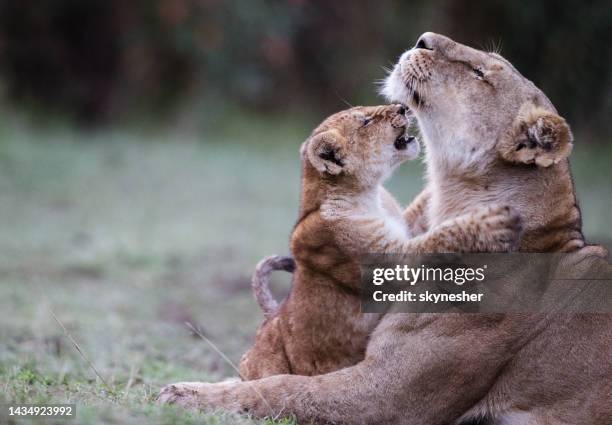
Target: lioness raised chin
{"x":491,"y":137}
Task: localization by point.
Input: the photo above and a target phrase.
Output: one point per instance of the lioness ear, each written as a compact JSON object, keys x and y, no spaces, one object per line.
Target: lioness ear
{"x":324,"y":151}
{"x":537,"y":136}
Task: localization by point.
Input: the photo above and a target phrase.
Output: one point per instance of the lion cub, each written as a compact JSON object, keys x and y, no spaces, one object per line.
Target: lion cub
{"x":345,"y":213}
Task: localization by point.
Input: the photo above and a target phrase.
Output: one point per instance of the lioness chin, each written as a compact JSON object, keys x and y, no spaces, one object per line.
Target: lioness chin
{"x":491,"y":135}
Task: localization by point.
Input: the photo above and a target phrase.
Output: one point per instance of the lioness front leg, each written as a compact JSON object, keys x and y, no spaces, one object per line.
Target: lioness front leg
{"x":413,"y":373}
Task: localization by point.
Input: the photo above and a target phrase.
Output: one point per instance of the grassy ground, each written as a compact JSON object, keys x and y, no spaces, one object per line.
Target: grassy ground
{"x":127,"y":238}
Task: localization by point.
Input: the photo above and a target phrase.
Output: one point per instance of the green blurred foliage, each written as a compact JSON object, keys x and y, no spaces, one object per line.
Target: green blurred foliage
{"x":104,"y":61}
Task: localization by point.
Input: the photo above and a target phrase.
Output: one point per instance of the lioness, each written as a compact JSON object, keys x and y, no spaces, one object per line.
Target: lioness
{"x":484,"y":126}
{"x":344,"y":214}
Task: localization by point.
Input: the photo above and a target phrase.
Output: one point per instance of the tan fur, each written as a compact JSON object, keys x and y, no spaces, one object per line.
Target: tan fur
{"x":344,"y":214}
{"x":429,"y":369}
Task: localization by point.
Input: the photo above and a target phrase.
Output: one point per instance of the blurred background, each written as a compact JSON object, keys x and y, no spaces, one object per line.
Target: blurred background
{"x":106,"y":62}
{"x":149,"y":158}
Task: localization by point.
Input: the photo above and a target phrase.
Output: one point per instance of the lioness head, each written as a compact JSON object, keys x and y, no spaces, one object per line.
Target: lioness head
{"x":492,"y":137}
{"x":362,"y":145}
{"x":479,"y":101}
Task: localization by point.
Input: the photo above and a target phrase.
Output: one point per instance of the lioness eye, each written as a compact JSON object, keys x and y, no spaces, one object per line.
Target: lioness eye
{"x":367,"y":121}
{"x":479,"y":73}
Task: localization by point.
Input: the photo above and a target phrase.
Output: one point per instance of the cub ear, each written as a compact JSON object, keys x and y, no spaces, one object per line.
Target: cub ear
{"x":537,"y":136}
{"x":325,"y":152}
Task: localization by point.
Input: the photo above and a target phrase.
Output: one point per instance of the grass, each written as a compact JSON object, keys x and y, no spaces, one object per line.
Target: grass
{"x":127,"y":237}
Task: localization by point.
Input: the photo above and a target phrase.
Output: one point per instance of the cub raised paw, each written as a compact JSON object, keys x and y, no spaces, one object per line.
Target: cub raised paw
{"x":493,"y":229}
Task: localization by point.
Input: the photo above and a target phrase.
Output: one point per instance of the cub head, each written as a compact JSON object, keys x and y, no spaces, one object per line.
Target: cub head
{"x":479,"y":103}
{"x":362,"y":145}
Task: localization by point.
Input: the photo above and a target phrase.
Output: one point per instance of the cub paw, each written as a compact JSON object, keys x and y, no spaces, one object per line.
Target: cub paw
{"x":543,"y":154}
{"x":500,"y":229}
{"x":538,"y":136}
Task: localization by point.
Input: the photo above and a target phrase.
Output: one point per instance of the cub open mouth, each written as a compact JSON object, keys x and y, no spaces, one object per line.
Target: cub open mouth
{"x":403,"y":141}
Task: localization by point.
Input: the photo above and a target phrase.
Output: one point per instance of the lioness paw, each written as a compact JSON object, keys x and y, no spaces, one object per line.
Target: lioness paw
{"x":197,"y":395}
{"x":184,"y":394}
{"x":229,"y":395}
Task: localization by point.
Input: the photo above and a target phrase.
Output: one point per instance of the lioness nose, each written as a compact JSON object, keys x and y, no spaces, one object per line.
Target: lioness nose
{"x":431,"y":41}
{"x":422,"y":44}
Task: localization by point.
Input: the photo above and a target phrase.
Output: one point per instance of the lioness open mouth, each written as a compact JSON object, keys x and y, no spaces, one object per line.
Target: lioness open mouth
{"x":412,"y":95}
{"x":417,"y":99}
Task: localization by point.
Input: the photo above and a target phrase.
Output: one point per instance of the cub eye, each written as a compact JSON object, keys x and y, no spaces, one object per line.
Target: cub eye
{"x":367,"y":121}
{"x":479,"y":73}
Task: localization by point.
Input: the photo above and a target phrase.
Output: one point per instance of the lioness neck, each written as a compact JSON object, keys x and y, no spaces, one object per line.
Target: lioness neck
{"x":544,"y":197}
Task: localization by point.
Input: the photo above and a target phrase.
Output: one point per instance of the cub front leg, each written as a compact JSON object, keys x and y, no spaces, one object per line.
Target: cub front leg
{"x":414,"y":214}
{"x":486,"y":229}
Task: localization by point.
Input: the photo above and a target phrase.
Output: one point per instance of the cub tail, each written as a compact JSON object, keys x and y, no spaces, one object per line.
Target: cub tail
{"x":260,"y":281}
